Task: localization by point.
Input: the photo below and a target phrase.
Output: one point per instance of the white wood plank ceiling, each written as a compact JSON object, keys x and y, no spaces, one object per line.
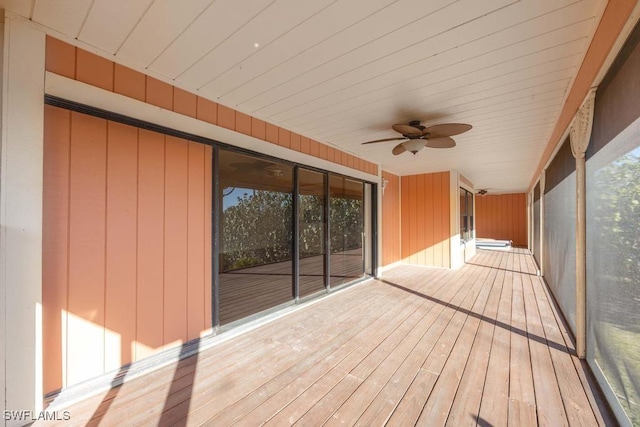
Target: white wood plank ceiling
{"x":343,"y":71}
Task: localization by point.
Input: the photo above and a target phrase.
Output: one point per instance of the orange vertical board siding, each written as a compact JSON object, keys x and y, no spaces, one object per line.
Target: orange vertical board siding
{"x":331,"y":154}
{"x":55,"y":244}
{"x":522,"y":225}
{"x":337,"y":156}
{"x":121,"y":269}
{"x":420,"y":230}
{"x":243,"y":123}
{"x":391,"y":220}
{"x":184,"y":102}
{"x":60,"y":58}
{"x":437,"y":220}
{"x":507,"y":216}
{"x":175,"y":240}
{"x":351,"y":161}
{"x":87,"y":209}
{"x":425,"y":224}
{"x":445,"y":213}
{"x":284,"y":138}
{"x":314,"y":148}
{"x":508,"y":209}
{"x":428,"y":218}
{"x":496,"y":219}
{"x":258,"y":129}
{"x":304,"y":144}
{"x":206,"y":110}
{"x":159,"y":93}
{"x":295,"y":141}
{"x":151,"y":206}
{"x":94,"y":70}
{"x":129,"y":83}
{"x":126,"y":244}
{"x":322,"y":151}
{"x":272,"y":133}
{"x":196,"y":240}
{"x":404,"y":217}
{"x":226,"y":117}
{"x":502,"y":216}
{"x":345,"y":159}
{"x":208,"y":217}
{"x":413,"y":218}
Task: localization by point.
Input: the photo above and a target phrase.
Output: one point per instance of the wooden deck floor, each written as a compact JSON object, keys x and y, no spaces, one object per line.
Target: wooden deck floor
{"x":251,"y":290}
{"x":479,"y":346}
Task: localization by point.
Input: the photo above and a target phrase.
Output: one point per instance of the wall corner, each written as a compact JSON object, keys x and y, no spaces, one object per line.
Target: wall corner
{"x":21,"y":147}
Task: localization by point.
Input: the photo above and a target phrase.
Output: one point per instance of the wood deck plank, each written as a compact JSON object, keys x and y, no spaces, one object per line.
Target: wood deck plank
{"x":280,"y":401}
{"x":481,"y":345}
{"x":494,"y":405}
{"x":550,"y":410}
{"x":226,"y":368}
{"x":466,"y":404}
{"x":313,"y":396}
{"x":572,"y":386}
{"x":211,"y":396}
{"x":448,"y":325}
{"x":347,"y":341}
{"x":437,"y":409}
{"x":413,"y":345}
{"x":522,"y":399}
{"x":385,"y":403}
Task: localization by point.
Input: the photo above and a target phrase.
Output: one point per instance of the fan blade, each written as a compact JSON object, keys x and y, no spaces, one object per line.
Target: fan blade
{"x":446,"y":129}
{"x":444,"y":142}
{"x":407,"y":130}
{"x":398,"y":149}
{"x":383,"y":140}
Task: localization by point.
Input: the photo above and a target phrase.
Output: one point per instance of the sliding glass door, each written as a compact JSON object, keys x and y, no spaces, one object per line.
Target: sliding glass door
{"x":312,"y":224}
{"x":256,"y":235}
{"x":346,"y":225}
{"x":263,"y":208}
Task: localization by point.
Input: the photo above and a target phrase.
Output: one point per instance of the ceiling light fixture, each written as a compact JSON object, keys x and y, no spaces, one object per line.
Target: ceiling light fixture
{"x":256,"y":45}
{"x":413,"y":145}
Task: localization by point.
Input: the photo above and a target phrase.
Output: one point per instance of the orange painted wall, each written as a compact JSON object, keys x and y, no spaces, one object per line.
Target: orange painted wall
{"x":425,"y":207}
{"x":68,"y":61}
{"x":502,"y":216}
{"x":391,"y":219}
{"x":126,"y":244}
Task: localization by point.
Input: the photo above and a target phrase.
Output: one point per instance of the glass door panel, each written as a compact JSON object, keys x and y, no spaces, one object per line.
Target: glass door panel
{"x":346,"y":219}
{"x":256,"y":235}
{"x":311,"y":219}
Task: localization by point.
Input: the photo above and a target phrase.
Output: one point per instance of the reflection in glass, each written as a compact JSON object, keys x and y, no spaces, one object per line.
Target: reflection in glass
{"x":466,"y":215}
{"x":256,"y":235}
{"x":311,"y":223}
{"x":346,"y":212}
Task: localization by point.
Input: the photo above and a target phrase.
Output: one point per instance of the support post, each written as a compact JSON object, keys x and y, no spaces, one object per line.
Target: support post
{"x":21,"y":146}
{"x":580,"y":134}
{"x":529,"y":221}
{"x":542,"y":185}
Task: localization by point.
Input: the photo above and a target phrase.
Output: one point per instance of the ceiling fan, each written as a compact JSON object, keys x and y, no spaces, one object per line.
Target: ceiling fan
{"x":257,"y":167}
{"x":415,"y":136}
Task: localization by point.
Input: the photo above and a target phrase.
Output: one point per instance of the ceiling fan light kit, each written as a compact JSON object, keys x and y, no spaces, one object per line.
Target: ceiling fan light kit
{"x":415,"y":136}
{"x":413,"y":145}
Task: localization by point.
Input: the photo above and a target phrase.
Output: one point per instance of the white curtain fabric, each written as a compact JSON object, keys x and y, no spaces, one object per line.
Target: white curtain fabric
{"x":560,"y":245}
{"x":613,"y":269}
